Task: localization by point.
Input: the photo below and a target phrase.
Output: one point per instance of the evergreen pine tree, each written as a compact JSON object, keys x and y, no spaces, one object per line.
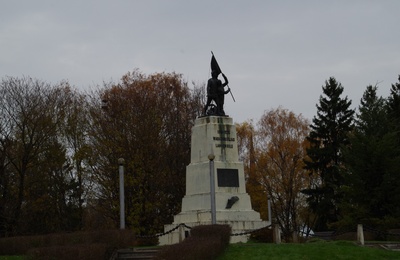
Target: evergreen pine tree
{"x":391,"y":182}
{"x":328,"y":135}
{"x":367,"y":161}
{"x":393,"y":105}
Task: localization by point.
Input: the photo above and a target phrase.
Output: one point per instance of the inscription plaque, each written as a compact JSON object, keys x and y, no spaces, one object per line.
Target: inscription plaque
{"x":228,"y":177}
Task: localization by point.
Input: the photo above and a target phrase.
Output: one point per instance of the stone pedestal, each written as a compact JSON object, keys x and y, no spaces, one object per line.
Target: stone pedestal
{"x":217,"y":135}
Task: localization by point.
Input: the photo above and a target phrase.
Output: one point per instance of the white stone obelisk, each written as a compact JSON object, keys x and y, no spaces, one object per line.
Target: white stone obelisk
{"x":215,"y":135}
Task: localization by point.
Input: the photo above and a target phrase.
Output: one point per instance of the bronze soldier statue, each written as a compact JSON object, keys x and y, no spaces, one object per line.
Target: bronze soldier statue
{"x":216,"y":93}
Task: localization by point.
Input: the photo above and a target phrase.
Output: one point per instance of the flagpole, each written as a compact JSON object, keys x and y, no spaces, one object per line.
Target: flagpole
{"x":226,"y":84}
{"x":231,"y":94}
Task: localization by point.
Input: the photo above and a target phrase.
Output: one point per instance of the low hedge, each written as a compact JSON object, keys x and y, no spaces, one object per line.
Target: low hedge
{"x":81,"y":243}
{"x":84,"y":252}
{"x":205,"y":242}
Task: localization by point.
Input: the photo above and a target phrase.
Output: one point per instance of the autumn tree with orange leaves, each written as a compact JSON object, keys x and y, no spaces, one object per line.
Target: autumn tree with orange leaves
{"x":274,"y":167}
{"x":147,"y":120}
{"x":246,"y":147}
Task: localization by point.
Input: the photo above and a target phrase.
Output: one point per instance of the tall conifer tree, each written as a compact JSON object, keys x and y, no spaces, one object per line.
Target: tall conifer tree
{"x":393,"y":105}
{"x":392,"y":178}
{"x":367,"y":160}
{"x":328,"y":135}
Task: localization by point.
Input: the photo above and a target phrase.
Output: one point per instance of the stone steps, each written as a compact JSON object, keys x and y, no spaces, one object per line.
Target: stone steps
{"x":135,"y":254}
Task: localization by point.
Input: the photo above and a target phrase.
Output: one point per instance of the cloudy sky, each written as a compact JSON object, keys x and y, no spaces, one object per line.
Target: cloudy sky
{"x":275,"y":53}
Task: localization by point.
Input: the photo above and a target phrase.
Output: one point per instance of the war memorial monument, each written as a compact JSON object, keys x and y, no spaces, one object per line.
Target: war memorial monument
{"x":215,"y":183}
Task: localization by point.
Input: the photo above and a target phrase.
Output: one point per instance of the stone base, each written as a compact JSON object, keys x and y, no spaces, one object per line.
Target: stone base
{"x":240,"y":222}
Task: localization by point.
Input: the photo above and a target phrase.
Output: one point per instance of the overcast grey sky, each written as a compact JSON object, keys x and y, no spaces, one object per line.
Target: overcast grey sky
{"x":275,"y":53}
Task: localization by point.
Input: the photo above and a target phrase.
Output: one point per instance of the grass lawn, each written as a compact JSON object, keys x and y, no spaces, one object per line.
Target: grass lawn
{"x":316,"y":250}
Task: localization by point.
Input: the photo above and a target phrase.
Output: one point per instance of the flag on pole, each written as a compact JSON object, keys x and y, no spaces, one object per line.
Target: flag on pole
{"x":214,"y":64}
{"x":215,"y":67}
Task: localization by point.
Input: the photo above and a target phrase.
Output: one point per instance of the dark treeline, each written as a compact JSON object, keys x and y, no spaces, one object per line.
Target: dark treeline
{"x":356,"y":157}
{"x":59,"y":151}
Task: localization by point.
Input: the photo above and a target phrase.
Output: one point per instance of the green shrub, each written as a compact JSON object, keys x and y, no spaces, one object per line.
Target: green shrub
{"x":264,"y":235}
{"x":221,"y":232}
{"x":316,"y":240}
{"x":205,"y":242}
{"x":394,"y":235}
